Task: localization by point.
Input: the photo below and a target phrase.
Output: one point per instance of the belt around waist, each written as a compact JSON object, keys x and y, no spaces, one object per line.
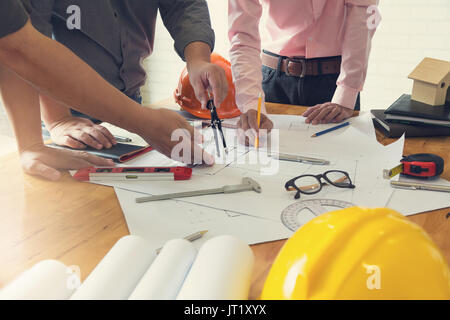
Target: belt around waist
{"x":302,"y":67}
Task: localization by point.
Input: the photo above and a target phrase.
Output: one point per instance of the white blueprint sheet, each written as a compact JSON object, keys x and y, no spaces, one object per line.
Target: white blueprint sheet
{"x":415,"y":201}
{"x":353,"y":149}
{"x":350,"y":150}
{"x":161,"y":221}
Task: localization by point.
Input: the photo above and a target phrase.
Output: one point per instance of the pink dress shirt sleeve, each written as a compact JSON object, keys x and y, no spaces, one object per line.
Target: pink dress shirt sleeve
{"x":245,"y":51}
{"x":355,"y":52}
{"x":323,"y":29}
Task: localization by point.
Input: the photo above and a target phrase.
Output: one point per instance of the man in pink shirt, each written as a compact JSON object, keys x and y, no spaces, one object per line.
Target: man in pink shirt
{"x":315,"y":53}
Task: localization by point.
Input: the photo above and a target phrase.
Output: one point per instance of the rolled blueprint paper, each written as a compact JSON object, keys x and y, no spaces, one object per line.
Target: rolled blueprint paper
{"x":46,"y":280}
{"x":116,"y":276}
{"x":221,"y":271}
{"x":166,"y":275}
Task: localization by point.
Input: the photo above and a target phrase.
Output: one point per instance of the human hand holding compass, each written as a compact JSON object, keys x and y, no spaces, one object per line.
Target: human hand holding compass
{"x":216,"y":125}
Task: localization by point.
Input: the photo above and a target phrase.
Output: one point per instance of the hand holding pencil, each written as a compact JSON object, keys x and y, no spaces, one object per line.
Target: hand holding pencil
{"x":258,"y":120}
{"x":250,"y":125}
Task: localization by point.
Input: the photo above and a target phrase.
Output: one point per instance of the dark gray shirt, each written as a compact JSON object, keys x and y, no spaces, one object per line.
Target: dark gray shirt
{"x":12,"y":17}
{"x":117,"y":35}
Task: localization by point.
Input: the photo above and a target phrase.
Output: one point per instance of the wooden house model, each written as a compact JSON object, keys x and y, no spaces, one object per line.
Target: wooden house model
{"x":431,"y":82}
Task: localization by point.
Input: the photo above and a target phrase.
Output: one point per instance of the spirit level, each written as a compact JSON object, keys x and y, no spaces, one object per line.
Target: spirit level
{"x":137,"y":173}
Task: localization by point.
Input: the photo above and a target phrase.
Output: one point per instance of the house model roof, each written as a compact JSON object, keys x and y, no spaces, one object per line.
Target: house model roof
{"x":431,"y":71}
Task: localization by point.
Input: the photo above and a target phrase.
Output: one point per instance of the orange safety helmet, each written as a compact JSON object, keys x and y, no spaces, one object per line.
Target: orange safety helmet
{"x":185,"y":95}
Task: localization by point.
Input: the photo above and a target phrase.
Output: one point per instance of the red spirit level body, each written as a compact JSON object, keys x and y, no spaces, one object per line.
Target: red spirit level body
{"x":137,"y":173}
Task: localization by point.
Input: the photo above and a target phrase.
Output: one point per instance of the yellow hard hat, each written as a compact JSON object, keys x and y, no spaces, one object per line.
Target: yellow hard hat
{"x":359,"y":253}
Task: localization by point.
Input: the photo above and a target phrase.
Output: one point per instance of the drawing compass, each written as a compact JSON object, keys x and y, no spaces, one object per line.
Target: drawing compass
{"x":299,"y":213}
{"x":216,"y":125}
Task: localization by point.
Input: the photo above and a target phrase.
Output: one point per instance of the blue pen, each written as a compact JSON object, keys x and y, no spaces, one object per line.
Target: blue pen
{"x":330,"y":129}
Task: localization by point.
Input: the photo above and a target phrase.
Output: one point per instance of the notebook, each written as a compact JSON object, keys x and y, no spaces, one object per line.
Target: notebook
{"x":119,"y":153}
{"x":405,"y":109}
{"x":395,"y":130}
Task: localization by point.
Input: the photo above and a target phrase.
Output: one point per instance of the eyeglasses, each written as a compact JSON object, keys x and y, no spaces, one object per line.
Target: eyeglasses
{"x":312,"y":184}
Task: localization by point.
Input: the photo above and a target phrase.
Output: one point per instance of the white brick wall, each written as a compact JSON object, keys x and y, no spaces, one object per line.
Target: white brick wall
{"x":410,"y":30}
{"x":166,"y":65}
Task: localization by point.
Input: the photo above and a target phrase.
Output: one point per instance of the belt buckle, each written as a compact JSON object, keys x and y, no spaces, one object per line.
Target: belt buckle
{"x":302,"y":62}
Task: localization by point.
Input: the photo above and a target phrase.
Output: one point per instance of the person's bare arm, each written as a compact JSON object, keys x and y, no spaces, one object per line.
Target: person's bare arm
{"x":204,"y":75}
{"x":56,"y":71}
{"x":23,"y":113}
{"x":59,"y":73}
{"x":22,"y":105}
{"x":77,"y":132}
{"x":71,"y":131}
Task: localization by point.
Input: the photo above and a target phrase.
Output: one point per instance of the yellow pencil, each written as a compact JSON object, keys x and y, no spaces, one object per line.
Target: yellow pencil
{"x":258,"y":119}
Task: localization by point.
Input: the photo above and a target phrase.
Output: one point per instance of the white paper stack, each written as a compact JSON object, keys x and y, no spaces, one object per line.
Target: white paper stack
{"x":116,"y":276}
{"x":164,"y":278}
{"x":46,"y":280}
{"x":133,"y":270}
{"x":222,"y":271}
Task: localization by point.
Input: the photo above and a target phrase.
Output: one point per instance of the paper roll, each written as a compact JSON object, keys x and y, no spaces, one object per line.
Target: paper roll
{"x":116,"y":276}
{"x":166,"y":275}
{"x":46,"y":280}
{"x":221,"y":271}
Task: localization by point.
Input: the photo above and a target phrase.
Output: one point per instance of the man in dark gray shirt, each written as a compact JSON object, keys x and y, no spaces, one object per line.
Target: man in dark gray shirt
{"x":12,"y":17}
{"x":114,"y":37}
{"x":56,"y":71}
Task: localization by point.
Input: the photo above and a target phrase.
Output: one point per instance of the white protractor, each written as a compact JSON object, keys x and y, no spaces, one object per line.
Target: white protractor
{"x":299,"y":213}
